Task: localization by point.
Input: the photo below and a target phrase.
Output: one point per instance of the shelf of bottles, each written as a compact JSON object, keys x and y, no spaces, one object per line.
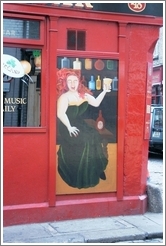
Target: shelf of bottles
{"x":93,"y":71}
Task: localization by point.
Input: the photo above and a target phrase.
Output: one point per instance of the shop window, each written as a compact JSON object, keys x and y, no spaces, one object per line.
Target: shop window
{"x":75,"y":40}
{"x":16,"y":28}
{"x":157,"y":94}
{"x":21,"y":87}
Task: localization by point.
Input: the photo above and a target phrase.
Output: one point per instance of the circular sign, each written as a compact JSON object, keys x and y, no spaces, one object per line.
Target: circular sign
{"x":12,"y":67}
{"x":137,"y":7}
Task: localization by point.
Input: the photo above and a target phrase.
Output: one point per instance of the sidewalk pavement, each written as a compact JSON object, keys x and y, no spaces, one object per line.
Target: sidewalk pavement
{"x":113,"y":229}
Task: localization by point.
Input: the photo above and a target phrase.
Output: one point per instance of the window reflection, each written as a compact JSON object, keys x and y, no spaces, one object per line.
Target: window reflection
{"x":158,"y":118}
{"x":21,"y":96}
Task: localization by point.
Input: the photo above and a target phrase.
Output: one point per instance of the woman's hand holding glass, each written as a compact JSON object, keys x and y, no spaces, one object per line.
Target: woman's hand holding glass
{"x":107,"y":84}
{"x":105,"y":88}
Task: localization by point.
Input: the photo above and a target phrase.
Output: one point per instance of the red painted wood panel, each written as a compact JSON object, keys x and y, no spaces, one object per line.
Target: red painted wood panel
{"x":25,"y":169}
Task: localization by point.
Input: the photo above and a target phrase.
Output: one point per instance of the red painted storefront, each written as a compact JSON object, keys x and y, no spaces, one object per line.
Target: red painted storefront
{"x":29,"y":160}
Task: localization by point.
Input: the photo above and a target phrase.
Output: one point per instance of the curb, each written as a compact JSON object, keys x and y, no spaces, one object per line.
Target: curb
{"x":116,"y":239}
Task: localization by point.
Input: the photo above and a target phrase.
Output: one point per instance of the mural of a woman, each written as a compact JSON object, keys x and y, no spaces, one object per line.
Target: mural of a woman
{"x":81,"y":159}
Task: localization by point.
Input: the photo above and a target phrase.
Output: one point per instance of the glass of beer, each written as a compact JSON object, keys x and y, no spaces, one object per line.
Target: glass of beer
{"x":107,"y":83}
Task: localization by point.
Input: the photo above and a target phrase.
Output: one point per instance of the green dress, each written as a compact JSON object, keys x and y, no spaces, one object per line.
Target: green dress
{"x":81,"y":160}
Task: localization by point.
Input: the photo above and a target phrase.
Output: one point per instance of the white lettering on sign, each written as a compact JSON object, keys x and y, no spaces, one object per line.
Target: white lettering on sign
{"x":8,"y":103}
{"x":15,"y":100}
{"x":77,"y":5}
{"x":64,"y":4}
{"x":9,"y":108}
{"x":137,"y":7}
{"x":9,"y":32}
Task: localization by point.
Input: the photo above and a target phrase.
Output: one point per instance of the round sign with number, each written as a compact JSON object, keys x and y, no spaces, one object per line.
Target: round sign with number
{"x":137,"y":7}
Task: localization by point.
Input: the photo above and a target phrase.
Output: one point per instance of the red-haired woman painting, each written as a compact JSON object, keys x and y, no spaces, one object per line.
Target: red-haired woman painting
{"x":81,"y":159}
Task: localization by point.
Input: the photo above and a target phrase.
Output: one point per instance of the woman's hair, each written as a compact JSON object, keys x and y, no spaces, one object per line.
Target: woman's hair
{"x":62,"y":87}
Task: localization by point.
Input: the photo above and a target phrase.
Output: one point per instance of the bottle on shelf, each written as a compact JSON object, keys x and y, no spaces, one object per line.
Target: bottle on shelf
{"x":91,"y":83}
{"x":77,"y":64}
{"x":65,"y":63}
{"x":110,"y":64}
{"x":88,"y":64}
{"x":100,"y":122}
{"x":115,"y":84}
{"x":98,"y":83}
{"x":84,"y":82}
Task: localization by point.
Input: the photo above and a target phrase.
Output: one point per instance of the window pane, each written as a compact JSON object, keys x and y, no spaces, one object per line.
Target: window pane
{"x":80,"y":40}
{"x":71,"y":40}
{"x":21,"y":94}
{"x":158,"y":118}
{"x":16,"y":28}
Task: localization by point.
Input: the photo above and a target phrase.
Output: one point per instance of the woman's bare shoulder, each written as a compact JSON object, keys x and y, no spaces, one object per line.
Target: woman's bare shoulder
{"x":63,"y":97}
